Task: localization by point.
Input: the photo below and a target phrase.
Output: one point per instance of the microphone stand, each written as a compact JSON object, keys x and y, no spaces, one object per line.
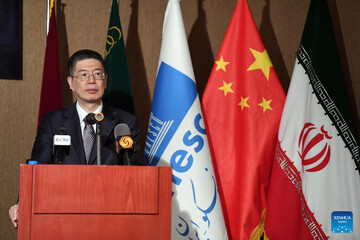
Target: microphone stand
{"x":98,"y":143}
{"x":59,"y":156}
{"x":127,"y":159}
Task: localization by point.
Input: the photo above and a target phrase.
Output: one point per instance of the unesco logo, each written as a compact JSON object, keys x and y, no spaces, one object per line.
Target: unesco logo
{"x":342,"y":222}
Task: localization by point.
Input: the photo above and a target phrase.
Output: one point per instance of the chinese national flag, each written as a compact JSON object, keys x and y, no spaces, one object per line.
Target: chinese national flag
{"x":51,"y":93}
{"x":242,"y":106}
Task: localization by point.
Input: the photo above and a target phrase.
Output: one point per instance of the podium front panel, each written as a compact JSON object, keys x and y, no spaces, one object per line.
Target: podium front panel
{"x":94,"y":202}
{"x":96,"y":189}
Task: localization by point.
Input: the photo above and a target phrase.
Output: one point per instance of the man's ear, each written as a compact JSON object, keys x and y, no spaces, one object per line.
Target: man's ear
{"x":69,"y":80}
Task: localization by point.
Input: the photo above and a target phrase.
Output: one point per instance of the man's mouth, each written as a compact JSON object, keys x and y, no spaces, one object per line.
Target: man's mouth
{"x":91,"y":90}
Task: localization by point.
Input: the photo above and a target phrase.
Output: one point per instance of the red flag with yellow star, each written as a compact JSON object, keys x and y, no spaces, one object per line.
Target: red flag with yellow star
{"x":242,"y":106}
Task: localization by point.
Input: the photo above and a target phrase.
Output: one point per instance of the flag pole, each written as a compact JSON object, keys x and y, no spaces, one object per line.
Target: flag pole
{"x":47,"y":17}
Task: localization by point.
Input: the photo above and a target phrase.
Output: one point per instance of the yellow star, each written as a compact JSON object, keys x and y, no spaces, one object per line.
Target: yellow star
{"x":262,"y":61}
{"x":243,"y":103}
{"x":221,"y":64}
{"x":265,"y":104}
{"x":226,"y":88}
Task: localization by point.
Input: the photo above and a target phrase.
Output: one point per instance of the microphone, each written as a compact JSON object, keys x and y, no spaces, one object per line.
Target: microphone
{"x":92,"y":118}
{"x":124,"y":143}
{"x":61,"y":146}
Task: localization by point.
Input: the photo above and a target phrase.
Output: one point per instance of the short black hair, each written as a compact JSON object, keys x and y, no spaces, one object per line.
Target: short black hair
{"x":82,"y":55}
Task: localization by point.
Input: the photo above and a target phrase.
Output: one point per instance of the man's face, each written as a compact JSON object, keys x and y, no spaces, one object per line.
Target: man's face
{"x":88,"y":89}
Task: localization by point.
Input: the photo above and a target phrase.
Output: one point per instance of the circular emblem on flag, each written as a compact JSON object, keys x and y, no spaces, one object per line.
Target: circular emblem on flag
{"x":114,"y":35}
{"x":314,"y":147}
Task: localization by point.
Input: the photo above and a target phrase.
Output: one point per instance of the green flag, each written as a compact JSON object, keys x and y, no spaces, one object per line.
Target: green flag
{"x":118,"y":92}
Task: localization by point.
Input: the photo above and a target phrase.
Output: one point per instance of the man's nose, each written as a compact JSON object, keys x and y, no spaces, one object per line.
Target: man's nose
{"x":91,"y":78}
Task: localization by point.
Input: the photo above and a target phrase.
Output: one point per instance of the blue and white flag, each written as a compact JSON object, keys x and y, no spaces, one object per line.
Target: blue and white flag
{"x":177,"y":137}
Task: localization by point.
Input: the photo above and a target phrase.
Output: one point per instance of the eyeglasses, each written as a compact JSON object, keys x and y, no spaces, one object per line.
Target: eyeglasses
{"x":84,"y":76}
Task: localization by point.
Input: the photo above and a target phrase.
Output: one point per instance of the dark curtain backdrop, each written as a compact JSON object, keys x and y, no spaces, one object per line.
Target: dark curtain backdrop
{"x":11,"y":39}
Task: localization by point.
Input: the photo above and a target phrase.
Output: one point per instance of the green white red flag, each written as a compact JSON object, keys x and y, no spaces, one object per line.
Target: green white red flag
{"x":315,"y":185}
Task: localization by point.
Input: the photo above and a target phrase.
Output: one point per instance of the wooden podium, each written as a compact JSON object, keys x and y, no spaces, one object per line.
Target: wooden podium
{"x":75,"y":202}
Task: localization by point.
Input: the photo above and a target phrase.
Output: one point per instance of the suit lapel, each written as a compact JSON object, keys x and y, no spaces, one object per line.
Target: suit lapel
{"x":72,"y":124}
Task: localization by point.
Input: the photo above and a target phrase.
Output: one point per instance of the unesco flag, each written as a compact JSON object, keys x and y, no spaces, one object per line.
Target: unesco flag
{"x":177,"y":138}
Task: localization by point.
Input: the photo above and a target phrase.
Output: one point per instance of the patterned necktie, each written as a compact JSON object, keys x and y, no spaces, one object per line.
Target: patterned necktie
{"x":89,"y":137}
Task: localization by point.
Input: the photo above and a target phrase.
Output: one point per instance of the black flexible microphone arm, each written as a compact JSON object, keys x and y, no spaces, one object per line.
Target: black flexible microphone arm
{"x":92,"y":118}
{"x":98,"y":143}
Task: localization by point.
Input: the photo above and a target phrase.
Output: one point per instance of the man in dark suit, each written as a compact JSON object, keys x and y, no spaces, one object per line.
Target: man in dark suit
{"x":69,"y":119}
{"x":87,"y":79}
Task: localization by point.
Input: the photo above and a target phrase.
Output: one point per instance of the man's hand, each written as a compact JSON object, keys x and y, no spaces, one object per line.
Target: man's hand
{"x":14,"y":214}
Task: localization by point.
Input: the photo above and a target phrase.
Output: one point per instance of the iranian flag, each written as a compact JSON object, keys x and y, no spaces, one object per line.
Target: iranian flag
{"x":315,"y":185}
